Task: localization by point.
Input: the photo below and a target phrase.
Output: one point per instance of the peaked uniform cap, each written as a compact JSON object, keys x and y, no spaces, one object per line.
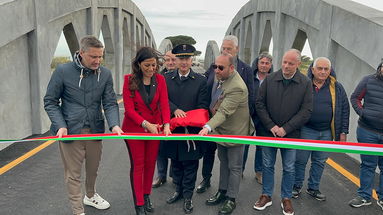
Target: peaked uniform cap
{"x":183,"y":51}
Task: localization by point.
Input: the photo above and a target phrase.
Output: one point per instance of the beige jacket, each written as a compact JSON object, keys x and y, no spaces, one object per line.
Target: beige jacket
{"x":232,"y":116}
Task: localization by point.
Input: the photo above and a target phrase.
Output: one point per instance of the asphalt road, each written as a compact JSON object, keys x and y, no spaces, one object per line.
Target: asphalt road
{"x":36,"y":186}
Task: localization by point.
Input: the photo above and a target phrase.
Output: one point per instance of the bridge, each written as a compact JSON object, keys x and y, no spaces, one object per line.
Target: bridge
{"x":347,"y":32}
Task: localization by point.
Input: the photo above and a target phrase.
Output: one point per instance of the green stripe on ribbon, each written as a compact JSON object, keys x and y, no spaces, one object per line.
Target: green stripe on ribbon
{"x":357,"y":148}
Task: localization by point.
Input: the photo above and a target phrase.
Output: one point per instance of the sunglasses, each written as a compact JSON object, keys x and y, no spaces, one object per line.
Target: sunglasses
{"x":220,"y":67}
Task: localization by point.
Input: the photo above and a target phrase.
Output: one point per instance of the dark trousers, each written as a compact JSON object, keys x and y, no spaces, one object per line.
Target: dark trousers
{"x":185,"y":176}
{"x":162,"y":163}
{"x":208,"y":159}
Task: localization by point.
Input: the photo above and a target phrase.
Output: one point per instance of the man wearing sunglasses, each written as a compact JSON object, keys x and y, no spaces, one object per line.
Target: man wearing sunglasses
{"x":229,"y":46}
{"x":230,"y":109}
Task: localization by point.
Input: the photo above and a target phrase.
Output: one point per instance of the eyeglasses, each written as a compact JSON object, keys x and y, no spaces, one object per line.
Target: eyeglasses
{"x":220,"y":67}
{"x":326,"y":69}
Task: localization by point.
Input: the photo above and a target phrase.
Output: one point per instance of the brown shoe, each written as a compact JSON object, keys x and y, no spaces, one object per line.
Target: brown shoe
{"x":258,"y":177}
{"x":263,"y":202}
{"x":287,"y":207}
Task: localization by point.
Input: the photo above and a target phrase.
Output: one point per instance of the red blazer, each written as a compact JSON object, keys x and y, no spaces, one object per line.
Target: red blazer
{"x":136,"y":111}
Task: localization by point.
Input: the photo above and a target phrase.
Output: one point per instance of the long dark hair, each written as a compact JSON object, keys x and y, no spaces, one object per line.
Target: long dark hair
{"x":143,"y":54}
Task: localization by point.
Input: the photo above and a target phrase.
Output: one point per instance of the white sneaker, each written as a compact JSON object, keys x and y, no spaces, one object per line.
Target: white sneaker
{"x":82,"y":214}
{"x":96,"y":201}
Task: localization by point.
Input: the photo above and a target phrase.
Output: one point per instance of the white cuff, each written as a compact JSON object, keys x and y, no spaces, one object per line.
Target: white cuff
{"x":208,"y":127}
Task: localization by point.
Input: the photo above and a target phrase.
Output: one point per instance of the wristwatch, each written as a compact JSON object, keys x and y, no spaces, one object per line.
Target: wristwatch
{"x":143,"y":124}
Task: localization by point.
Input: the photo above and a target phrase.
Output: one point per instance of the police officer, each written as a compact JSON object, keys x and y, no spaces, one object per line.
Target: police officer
{"x":187,"y":91}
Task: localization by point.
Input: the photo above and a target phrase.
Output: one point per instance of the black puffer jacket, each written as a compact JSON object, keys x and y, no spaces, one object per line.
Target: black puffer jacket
{"x":370,"y":90}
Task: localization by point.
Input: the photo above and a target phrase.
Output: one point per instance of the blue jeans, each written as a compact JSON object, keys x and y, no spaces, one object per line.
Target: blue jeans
{"x":257,"y":159}
{"x":369,"y":163}
{"x":318,"y":159}
{"x":288,"y":159}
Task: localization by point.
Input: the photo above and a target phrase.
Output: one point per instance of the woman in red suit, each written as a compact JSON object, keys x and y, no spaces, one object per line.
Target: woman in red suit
{"x":146,"y":111}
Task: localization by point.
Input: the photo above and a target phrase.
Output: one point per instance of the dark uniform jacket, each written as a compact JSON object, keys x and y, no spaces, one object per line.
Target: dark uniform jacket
{"x":288,"y":106}
{"x":186,"y":95}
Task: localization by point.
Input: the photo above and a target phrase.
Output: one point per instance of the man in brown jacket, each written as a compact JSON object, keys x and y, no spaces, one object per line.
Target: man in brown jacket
{"x":231,"y":116}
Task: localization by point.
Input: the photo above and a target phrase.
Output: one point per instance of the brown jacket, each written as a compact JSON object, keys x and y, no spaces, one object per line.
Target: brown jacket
{"x":232,"y":116}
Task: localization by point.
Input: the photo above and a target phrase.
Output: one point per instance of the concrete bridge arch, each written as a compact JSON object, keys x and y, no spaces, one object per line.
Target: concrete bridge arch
{"x":165,"y":46}
{"x":212,"y":51}
{"x":30,"y":33}
{"x":347,"y":32}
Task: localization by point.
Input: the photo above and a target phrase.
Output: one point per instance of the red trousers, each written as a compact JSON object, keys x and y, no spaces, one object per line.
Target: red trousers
{"x":143,"y":156}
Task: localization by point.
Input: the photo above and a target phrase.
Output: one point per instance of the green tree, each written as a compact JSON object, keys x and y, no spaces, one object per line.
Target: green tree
{"x":306,"y":61}
{"x":181,"y":39}
{"x":59,"y":60}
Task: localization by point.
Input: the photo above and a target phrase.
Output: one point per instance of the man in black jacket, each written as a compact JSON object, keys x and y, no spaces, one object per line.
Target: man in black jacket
{"x":284,"y":105}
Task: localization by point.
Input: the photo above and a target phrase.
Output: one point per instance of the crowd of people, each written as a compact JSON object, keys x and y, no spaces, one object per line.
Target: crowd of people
{"x":241,"y":100}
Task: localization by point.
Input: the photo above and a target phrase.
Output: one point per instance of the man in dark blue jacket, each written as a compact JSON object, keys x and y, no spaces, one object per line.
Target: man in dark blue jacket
{"x":370,"y":130}
{"x":76,"y":94}
{"x":261,"y":67}
{"x":162,"y":161}
{"x":229,"y":46}
{"x":329,"y":121}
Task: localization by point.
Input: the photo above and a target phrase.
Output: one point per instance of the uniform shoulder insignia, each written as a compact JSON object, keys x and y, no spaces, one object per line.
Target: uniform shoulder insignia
{"x":199,"y":75}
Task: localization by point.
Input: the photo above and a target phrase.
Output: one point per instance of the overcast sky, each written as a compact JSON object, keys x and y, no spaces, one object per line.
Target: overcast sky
{"x":203,"y":20}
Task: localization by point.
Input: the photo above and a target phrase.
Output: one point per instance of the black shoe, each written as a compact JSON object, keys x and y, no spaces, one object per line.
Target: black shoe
{"x":316,"y":194}
{"x":188,"y":206}
{"x":202,"y":187}
{"x":176,"y":196}
{"x":216,"y":199}
{"x":296,"y":191}
{"x":158,"y":182}
{"x":140,"y":210}
{"x":148,"y":205}
{"x":227,"y":207}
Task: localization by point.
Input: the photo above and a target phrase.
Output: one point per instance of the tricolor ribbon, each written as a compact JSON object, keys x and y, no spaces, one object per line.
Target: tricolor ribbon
{"x":315,"y":145}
